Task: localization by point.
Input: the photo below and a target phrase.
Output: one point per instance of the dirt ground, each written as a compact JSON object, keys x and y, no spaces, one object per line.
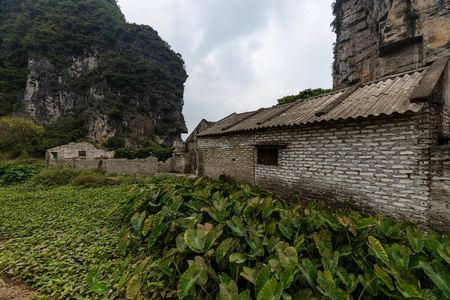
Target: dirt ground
{"x":14,"y":290}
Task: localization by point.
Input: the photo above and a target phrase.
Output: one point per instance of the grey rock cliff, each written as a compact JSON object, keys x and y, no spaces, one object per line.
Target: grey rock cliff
{"x":382,"y":37}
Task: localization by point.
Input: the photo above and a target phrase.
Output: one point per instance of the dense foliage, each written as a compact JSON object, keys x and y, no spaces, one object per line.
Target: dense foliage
{"x":195,"y":239}
{"x":308,"y":93}
{"x":206,"y":240}
{"x":20,"y":136}
{"x":13,"y":173}
{"x":51,"y":237}
{"x":57,"y":28}
{"x":135,"y":71}
{"x":162,"y":154}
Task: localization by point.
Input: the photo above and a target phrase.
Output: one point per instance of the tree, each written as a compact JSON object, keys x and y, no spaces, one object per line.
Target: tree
{"x":19,"y":135}
{"x":308,"y":93}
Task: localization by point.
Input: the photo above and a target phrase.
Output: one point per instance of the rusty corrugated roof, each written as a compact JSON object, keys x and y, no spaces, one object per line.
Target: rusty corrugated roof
{"x":385,"y":96}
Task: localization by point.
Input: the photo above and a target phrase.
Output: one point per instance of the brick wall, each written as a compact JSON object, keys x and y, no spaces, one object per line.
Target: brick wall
{"x":439,"y":213}
{"x":379,"y":163}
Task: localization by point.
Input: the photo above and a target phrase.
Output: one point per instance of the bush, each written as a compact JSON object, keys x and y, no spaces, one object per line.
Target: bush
{"x":203,"y":240}
{"x":308,"y":93}
{"x":96,"y":180}
{"x":59,"y":176}
{"x":114,"y":142}
{"x":162,"y":154}
{"x":19,"y":136}
{"x":12,"y":173}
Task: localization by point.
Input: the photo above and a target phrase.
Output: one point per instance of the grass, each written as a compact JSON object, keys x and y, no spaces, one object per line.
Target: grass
{"x":54,"y":235}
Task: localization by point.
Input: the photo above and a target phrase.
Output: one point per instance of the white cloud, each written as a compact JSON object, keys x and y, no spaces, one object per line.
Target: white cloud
{"x":242,"y":54}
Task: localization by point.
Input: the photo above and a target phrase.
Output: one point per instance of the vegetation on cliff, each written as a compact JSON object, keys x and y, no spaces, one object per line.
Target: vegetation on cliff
{"x":133,"y":71}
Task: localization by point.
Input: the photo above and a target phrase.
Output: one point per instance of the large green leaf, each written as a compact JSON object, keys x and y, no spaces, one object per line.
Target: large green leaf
{"x":156,"y":233}
{"x":195,"y":239}
{"x":249,"y":274}
{"x":224,"y":247}
{"x":400,"y":254}
{"x":244,"y":295}
{"x":369,"y":282}
{"x":384,"y":276}
{"x":439,"y":275}
{"x":309,"y":271}
{"x":228,"y":288}
{"x":407,"y":290}
{"x":238,"y":258}
{"x":92,"y":277}
{"x":134,"y":287}
{"x":378,"y":249}
{"x":147,"y":225}
{"x":330,"y":261}
{"x":286,"y":229}
{"x":288,"y":274}
{"x":328,"y":286}
{"x":271,"y":291}
{"x":445,"y":254}
{"x":304,"y":294}
{"x":366,"y":222}
{"x":262,"y":279}
{"x":286,"y":255}
{"x":137,"y":220}
{"x":237,"y":225}
{"x":252,"y":210}
{"x":323,"y":241}
{"x":187,"y":280}
{"x":416,"y":239}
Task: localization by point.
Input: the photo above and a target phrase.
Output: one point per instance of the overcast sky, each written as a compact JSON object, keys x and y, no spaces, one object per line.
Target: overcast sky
{"x":241,"y":55}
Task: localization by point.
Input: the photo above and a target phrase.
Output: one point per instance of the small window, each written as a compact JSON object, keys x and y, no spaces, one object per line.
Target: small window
{"x":81,"y":153}
{"x":268,"y":156}
{"x":55,"y":155}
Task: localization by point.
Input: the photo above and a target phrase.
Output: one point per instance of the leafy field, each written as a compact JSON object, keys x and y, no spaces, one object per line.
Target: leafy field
{"x":96,"y":237}
{"x":55,"y":235}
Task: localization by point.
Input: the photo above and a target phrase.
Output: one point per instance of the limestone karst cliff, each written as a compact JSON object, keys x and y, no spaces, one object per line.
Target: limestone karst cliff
{"x":381,"y":37}
{"x":65,"y":59}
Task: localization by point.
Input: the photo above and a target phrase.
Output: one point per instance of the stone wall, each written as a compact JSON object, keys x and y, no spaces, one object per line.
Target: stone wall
{"x":138,"y":167}
{"x":380,"y":163}
{"x":439,"y":211}
{"x":382,"y":37}
{"x":231,"y":155}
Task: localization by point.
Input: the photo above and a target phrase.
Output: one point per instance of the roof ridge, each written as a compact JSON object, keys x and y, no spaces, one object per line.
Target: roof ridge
{"x":396,"y":75}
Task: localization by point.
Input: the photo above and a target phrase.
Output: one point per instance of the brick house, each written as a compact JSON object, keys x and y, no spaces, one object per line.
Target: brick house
{"x":382,"y":145}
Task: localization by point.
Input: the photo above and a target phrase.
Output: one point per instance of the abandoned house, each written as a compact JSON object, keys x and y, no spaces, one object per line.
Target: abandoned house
{"x":382,"y":145}
{"x":87,"y":156}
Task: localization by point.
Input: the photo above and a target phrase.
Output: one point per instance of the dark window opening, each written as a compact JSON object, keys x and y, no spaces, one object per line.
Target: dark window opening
{"x":55,"y":155}
{"x":82,"y":153}
{"x":268,"y":156}
{"x":442,"y":141}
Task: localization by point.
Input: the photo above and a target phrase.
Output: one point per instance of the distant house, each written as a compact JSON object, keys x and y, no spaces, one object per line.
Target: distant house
{"x":79,"y":151}
{"x":382,"y":145}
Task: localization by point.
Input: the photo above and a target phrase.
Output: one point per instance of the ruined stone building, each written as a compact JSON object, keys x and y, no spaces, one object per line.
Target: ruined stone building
{"x":380,"y":141}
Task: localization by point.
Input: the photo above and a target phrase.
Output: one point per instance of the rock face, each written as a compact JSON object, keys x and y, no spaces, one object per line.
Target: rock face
{"x":376,"y":38}
{"x":121,"y":79}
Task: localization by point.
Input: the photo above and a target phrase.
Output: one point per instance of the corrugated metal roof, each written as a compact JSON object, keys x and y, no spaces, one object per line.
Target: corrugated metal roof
{"x":385,"y":96}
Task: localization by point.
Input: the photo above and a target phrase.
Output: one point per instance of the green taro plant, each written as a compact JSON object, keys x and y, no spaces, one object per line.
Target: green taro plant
{"x":205,"y":240}
{"x":13,"y":173}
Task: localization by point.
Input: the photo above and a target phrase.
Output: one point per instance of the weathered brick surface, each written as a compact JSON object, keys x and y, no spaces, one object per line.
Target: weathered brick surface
{"x":379,"y":163}
{"x":439,"y":212}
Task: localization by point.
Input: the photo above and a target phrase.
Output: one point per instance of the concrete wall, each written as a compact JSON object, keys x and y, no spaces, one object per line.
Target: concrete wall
{"x":379,"y":163}
{"x":138,"y":167}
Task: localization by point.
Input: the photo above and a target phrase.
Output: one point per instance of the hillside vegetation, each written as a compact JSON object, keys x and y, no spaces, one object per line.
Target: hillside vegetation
{"x":88,"y":62}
